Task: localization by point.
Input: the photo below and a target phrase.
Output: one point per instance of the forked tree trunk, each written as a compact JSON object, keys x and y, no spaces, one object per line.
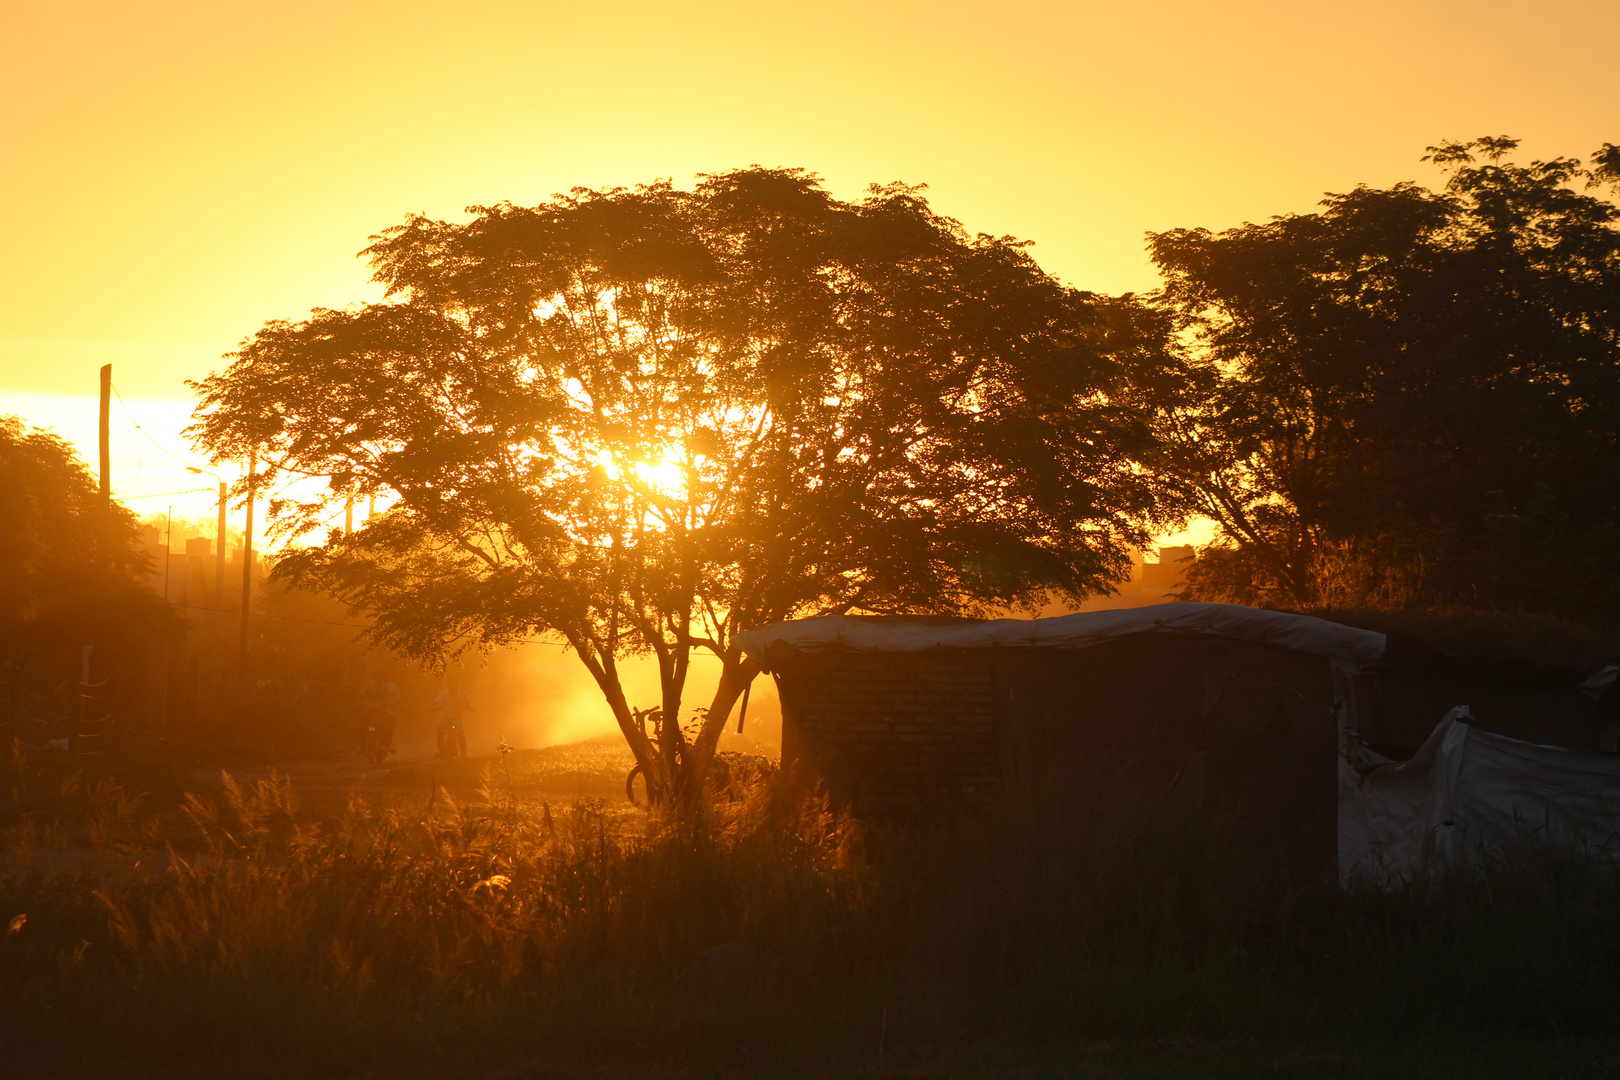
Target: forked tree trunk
{"x":736,"y":673}
{"x":674,"y":772}
{"x":660,"y":779}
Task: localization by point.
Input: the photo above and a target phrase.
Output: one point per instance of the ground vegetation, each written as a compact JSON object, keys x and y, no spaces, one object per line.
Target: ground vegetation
{"x":1079,"y":931}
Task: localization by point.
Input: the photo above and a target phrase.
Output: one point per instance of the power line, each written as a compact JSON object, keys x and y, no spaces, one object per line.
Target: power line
{"x":140,"y":464}
{"x":160,"y":494}
{"x":284,"y":618}
{"x":223,"y":611}
{"x":144,"y":435}
{"x":268,"y":615}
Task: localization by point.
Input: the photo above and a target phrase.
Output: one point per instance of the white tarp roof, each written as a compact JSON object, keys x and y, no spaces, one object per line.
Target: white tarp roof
{"x":1467,"y":792}
{"x":1359,"y":648}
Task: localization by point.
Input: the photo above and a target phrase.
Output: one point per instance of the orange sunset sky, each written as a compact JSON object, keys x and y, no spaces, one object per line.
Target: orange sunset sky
{"x":178,"y":173}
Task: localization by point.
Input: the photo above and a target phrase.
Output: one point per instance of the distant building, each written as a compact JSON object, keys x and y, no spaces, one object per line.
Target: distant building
{"x":1170,"y":572}
{"x":1149,"y":583}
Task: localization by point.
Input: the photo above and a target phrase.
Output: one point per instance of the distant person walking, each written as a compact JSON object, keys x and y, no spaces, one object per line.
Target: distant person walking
{"x":452,"y":707}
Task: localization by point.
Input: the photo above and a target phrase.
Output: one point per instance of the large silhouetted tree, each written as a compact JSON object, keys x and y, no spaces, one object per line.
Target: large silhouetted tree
{"x":1416,"y":389}
{"x":644,"y":420}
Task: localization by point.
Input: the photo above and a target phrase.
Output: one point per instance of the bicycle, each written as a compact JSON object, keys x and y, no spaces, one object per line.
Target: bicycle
{"x":718,"y":779}
{"x":373,"y":747}
{"x":642,"y":717}
{"x":377,"y":741}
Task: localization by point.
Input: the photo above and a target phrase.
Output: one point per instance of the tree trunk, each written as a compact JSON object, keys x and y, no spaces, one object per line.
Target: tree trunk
{"x":659,"y":779}
{"x":672,"y":742}
{"x":736,"y":673}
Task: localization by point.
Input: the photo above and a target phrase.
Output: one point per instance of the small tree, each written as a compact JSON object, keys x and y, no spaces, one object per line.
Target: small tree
{"x":646,"y":420}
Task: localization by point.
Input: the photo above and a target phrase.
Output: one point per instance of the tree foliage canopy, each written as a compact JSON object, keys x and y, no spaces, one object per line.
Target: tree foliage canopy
{"x":648,"y":419}
{"x":1411,"y":392}
{"x":72,"y":572}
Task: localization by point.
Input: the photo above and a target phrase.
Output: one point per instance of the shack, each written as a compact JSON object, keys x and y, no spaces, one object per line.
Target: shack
{"x":1290,"y":721}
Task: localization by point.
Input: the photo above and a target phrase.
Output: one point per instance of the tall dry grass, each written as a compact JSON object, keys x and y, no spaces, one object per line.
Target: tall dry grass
{"x":426,"y":930}
{"x":450,"y":900}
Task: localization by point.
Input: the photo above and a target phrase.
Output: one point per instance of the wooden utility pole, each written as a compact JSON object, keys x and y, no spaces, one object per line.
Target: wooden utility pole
{"x":168,"y":550}
{"x":242,"y":673}
{"x":103,"y":423}
{"x":219,"y":554}
{"x":106,"y":453}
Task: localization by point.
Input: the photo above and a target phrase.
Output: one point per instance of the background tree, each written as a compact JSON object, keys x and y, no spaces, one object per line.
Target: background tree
{"x":72,"y":570}
{"x":1412,"y":394}
{"x":645,"y":420}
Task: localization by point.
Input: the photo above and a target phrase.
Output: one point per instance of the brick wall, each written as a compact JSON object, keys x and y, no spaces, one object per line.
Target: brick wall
{"x":905,"y":738}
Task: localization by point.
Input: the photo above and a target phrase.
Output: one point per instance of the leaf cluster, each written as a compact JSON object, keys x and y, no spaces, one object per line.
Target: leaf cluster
{"x":648,"y":418}
{"x":72,"y":569}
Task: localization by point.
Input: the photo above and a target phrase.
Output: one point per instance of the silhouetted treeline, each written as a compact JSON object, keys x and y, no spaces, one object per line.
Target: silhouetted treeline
{"x":1411,"y":396}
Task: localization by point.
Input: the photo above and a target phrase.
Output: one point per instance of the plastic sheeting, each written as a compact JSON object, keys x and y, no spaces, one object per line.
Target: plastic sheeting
{"x":1465,"y":792}
{"x":1345,"y":644}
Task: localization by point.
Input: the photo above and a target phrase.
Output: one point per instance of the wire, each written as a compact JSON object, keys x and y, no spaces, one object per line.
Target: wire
{"x":284,"y":618}
{"x":225,"y":611}
{"x":268,"y":615}
{"x":160,"y":494}
{"x":140,"y":463}
{"x":144,"y":435}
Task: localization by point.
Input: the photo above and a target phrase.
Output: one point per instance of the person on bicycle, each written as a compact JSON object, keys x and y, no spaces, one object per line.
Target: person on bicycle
{"x":377,"y":699}
{"x":452,"y":706}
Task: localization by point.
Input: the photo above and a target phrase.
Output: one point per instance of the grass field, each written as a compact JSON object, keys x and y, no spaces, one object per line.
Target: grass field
{"x":507,"y":934}
{"x":596,"y":767}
